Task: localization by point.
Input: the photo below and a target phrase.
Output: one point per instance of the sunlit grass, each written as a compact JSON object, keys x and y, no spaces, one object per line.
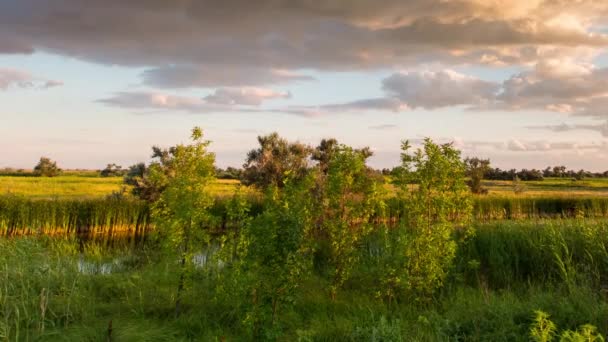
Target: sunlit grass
{"x":68,"y":186}
{"x":83,"y":186}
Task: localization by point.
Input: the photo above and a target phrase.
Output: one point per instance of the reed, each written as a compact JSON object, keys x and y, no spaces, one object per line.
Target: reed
{"x":108,"y":217}
{"x":565,"y":252}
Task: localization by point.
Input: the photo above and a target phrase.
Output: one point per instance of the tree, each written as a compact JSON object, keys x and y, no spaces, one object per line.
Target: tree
{"x":323,"y":153}
{"x":268,"y":164}
{"x":112,"y":170}
{"x":278,"y":254}
{"x":476,"y":170}
{"x":559,"y":171}
{"x":349,"y":199}
{"x":182,"y":210}
{"x":46,"y":168}
{"x":138,"y":175}
{"x":437,"y":202}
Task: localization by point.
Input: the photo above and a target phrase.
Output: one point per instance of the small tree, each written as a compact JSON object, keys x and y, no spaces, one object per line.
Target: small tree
{"x":46,"y":168}
{"x":476,"y":170}
{"x":138,"y":175}
{"x":182,"y":210}
{"x":432,"y":186}
{"x":278,"y":255}
{"x":268,"y":164}
{"x":349,"y":200}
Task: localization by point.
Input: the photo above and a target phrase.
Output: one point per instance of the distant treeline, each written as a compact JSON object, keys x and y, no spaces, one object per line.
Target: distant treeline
{"x":529,"y":174}
{"x":534,"y":174}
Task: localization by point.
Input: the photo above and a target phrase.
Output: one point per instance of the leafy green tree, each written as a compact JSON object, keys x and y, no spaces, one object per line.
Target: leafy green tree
{"x":138,"y":175}
{"x":349,"y":200}
{"x":182,"y":210}
{"x":268,"y":164}
{"x":46,"y":168}
{"x":324,"y":152}
{"x":437,"y":201}
{"x":277,"y":254}
{"x":476,"y":170}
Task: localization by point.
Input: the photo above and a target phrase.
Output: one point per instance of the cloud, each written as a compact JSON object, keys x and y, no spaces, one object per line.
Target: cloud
{"x":601,"y":128}
{"x":225,"y":76}
{"x":415,"y":89}
{"x":244,"y":96}
{"x":562,"y":84}
{"x":430,"y":90}
{"x":222,"y":100}
{"x":21,"y":79}
{"x":209,"y":43}
{"x":518,"y":145}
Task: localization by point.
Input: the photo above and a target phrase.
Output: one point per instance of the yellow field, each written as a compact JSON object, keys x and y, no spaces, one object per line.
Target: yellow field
{"x":87,"y":185}
{"x":70,"y":186}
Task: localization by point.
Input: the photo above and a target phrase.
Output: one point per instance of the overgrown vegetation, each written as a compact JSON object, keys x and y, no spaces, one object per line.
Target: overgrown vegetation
{"x":319,"y":252}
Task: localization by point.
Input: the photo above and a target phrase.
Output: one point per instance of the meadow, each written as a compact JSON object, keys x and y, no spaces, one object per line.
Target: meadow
{"x":81,"y":260}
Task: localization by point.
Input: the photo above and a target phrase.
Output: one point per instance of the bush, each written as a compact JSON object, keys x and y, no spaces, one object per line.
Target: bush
{"x":46,"y":168}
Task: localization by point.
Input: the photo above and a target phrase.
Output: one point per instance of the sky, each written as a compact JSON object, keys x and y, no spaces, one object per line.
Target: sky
{"x":87,"y":83}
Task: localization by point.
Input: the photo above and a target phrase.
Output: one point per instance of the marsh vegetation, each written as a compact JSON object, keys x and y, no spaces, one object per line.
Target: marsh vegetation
{"x":312,"y":250}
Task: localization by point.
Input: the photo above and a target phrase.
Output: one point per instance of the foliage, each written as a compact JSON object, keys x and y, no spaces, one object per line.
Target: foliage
{"x":433,"y":210}
{"x":477,"y":169}
{"x":182,"y":210}
{"x":326,"y":149}
{"x":278,"y":254}
{"x":267,"y":165}
{"x":46,"y":168}
{"x":349,"y":199}
{"x":543,"y":330}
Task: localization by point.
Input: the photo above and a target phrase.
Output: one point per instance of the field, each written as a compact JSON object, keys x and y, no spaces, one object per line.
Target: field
{"x":91,"y":185}
{"x":79,"y":265}
{"x":83,"y":186}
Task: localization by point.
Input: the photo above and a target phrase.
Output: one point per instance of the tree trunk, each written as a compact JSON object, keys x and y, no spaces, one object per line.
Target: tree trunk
{"x":182,"y":276}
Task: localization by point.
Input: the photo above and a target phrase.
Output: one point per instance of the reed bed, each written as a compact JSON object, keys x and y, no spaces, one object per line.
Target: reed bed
{"x":124,"y":217}
{"x":488,"y":208}
{"x":108,"y":217}
{"x":503,"y":254}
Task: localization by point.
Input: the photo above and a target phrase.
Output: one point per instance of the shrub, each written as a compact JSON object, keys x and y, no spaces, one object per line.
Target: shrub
{"x":46,"y":168}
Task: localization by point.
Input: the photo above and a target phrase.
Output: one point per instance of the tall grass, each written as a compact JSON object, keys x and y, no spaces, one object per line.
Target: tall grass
{"x":44,"y":295}
{"x":115,"y":216}
{"x":565,"y":252}
{"x":487,"y":208}
{"x":109,"y":217}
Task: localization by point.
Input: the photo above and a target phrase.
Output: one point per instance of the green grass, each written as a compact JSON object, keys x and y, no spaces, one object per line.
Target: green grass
{"x":44,"y":296}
